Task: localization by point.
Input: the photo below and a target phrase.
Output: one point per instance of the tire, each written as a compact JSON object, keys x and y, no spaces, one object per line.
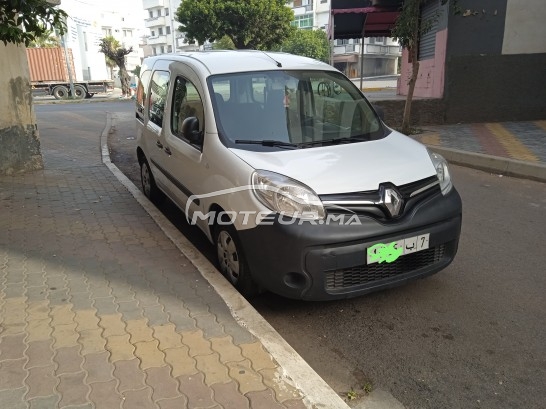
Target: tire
{"x":79,"y":92}
{"x":148,"y":182}
{"x":60,"y":92}
{"x":232,"y":261}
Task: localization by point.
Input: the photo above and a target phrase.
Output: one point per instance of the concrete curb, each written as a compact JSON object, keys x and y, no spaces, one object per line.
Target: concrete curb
{"x":317,"y":393}
{"x":495,"y":164}
{"x":79,"y":101}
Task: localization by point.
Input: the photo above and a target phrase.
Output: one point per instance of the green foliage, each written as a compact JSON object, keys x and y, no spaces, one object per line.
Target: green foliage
{"x":47,"y":40}
{"x":309,"y":43}
{"x":257,"y":24}
{"x":136,"y":71}
{"x":224,"y":43}
{"x":22,"y":21}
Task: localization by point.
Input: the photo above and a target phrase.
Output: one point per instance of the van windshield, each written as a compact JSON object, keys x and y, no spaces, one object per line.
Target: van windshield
{"x":292,"y":109}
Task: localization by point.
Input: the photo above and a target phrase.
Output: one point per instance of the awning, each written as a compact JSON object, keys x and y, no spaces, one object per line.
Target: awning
{"x":374,"y":18}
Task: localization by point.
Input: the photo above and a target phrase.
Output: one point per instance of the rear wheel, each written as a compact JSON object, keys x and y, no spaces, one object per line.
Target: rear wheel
{"x":79,"y":92}
{"x":148,"y":182}
{"x":232,"y":261}
{"x":60,"y":92}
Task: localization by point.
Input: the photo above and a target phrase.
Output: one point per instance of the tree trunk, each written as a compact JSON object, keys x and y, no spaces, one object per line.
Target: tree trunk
{"x":125,"y":81}
{"x":414,"y":53}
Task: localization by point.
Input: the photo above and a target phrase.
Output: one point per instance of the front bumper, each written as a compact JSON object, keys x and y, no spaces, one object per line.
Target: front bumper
{"x":325,"y":262}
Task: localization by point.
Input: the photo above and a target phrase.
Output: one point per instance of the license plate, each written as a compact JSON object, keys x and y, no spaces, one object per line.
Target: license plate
{"x":389,"y":252}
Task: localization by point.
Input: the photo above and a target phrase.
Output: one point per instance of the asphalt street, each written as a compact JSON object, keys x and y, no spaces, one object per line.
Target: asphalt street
{"x":471,"y":336}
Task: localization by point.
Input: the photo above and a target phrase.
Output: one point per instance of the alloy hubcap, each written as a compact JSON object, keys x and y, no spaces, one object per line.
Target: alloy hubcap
{"x":228,"y":256}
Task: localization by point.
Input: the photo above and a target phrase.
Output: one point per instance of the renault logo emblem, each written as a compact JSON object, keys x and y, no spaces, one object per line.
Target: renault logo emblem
{"x":392,"y":200}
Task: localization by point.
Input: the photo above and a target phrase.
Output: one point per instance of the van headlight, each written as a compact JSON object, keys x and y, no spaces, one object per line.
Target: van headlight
{"x":286,"y":196}
{"x":442,"y":171}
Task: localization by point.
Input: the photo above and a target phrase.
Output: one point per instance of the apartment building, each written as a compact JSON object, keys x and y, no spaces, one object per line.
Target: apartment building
{"x":163,"y":35}
{"x":380,"y":54}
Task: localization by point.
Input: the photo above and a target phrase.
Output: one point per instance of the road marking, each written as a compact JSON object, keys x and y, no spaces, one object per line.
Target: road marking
{"x":511,"y":143}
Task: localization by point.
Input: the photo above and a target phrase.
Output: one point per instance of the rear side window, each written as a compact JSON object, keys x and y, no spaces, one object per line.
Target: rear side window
{"x":158,"y":96}
{"x":141,"y":92}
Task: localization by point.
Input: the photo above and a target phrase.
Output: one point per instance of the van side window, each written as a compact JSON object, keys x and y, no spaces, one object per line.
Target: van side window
{"x":186,"y":103}
{"x":158,"y":96}
{"x":142,"y":88}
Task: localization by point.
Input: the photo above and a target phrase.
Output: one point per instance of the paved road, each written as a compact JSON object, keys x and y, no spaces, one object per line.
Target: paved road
{"x":471,"y":336}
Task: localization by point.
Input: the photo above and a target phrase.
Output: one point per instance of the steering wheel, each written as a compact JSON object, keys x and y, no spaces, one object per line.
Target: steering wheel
{"x":324,"y":89}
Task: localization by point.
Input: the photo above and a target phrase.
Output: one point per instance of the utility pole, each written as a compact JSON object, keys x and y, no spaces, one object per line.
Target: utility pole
{"x":68,"y":68}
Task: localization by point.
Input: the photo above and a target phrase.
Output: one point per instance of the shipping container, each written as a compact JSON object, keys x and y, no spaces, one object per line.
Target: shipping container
{"x":49,"y":75}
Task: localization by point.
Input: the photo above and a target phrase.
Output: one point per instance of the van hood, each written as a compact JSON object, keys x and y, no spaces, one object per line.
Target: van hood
{"x":346,"y":168}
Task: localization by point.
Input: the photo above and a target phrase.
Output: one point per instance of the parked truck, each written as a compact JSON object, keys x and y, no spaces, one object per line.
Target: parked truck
{"x":49,"y":75}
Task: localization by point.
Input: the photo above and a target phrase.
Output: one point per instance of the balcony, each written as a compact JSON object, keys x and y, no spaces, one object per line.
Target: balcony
{"x":155,"y":22}
{"x":157,"y":40}
{"x":148,"y":4}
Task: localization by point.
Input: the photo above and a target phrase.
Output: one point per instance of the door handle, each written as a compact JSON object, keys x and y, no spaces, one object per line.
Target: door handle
{"x":168,"y":151}
{"x":159,"y":145}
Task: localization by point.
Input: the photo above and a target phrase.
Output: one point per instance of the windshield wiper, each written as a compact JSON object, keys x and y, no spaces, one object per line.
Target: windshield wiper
{"x":268,"y":142}
{"x":336,"y":141}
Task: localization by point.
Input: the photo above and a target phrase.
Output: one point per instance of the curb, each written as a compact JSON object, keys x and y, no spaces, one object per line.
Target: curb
{"x":316,"y":392}
{"x":78,"y":101}
{"x":495,"y":164}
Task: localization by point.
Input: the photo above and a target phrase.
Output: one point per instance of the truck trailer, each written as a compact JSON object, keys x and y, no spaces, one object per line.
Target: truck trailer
{"x":49,"y":75}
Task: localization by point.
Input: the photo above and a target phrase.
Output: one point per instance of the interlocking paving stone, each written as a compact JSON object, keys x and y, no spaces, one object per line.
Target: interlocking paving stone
{"x":68,"y":360}
{"x":214,"y":371}
{"x":196,"y":343}
{"x":294,"y":404}
{"x":92,"y":341}
{"x":12,"y":346}
{"x":180,"y":361}
{"x":141,"y":399}
{"x":38,"y":310}
{"x":199,"y":395}
{"x":167,"y":336}
{"x":257,"y":355}
{"x":139,"y":331}
{"x":86,"y":319}
{"x":148,"y":353}
{"x":72,"y":389}
{"x":112,"y":324}
{"x":12,"y":373}
{"x":44,"y":402}
{"x":176,"y":403}
{"x":104,"y":395}
{"x":120,"y":348}
{"x":161,"y":382}
{"x":229,"y":397}
{"x":226,"y":349}
{"x":97,"y":367}
{"x":283,"y":391}
{"x":246,"y":377}
{"x":13,"y":398}
{"x":263,"y":400}
{"x":41,"y":381}
{"x":129,"y":375}
{"x":210,"y":327}
{"x":39,"y":353}
{"x":65,"y":335}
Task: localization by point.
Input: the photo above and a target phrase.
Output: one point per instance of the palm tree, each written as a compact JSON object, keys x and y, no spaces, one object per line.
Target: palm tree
{"x":47,"y":40}
{"x":115,"y":55}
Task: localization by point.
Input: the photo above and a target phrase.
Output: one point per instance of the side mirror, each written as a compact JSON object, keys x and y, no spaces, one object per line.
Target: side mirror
{"x":379,"y":111}
{"x":190,"y":130}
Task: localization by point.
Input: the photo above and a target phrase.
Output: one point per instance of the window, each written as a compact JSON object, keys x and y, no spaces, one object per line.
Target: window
{"x":151,"y":13}
{"x":168,"y":30}
{"x":159,"y":13}
{"x":303,"y":21}
{"x":153,"y":33}
{"x":166,"y":12}
{"x":107,"y":32}
{"x":142,"y":88}
{"x":169,"y":48}
{"x":186,"y":103}
{"x":127,"y":33}
{"x":158,"y":97}
{"x":162,"y":49}
{"x":160,"y":31}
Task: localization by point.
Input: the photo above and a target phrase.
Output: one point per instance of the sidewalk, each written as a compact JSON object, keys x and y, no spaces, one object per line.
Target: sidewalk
{"x":509,"y":148}
{"x":99,"y":308}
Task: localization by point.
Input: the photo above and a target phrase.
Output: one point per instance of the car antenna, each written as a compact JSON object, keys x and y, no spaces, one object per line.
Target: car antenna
{"x":276,"y":62}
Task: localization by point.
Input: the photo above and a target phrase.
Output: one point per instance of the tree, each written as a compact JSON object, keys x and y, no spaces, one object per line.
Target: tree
{"x":114,"y":52}
{"x":408,"y":29}
{"x":22,"y":21}
{"x":223,"y":43}
{"x":46,"y":40}
{"x":256,"y":24}
{"x":309,"y":43}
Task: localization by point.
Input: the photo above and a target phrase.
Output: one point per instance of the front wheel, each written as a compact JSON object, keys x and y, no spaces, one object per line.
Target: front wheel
{"x":232,"y":261}
{"x":148,"y":182}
